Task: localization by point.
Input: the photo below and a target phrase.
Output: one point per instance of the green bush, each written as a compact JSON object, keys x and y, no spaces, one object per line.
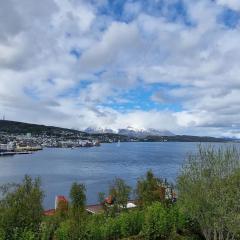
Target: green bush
{"x":131,"y":223}
{"x":63,"y":232}
{"x":177,"y":218}
{"x":157,"y":225}
{"x":125,"y":224}
{"x":21,"y":208}
{"x":2,"y":234}
{"x":49,"y":226}
{"x":20,"y":234}
{"x":208,"y":188}
{"x":95,"y":227}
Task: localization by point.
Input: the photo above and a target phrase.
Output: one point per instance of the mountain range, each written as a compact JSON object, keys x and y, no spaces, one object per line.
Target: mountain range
{"x":131,"y":131}
{"x":104,"y":135}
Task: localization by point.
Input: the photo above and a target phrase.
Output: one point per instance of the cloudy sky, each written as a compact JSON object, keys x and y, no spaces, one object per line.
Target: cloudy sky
{"x":165,"y":64}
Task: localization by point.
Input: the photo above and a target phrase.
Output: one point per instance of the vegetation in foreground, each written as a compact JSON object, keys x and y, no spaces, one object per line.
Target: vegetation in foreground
{"x":207,"y":206}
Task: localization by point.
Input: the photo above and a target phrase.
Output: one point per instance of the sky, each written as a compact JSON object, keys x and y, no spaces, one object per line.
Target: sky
{"x":164,"y":64}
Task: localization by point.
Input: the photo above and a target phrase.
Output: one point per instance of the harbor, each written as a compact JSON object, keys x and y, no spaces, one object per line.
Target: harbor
{"x":13,"y":144}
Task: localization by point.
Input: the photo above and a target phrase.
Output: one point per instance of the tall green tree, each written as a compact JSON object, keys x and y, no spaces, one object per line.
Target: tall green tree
{"x":77,"y":223}
{"x":78,"y":197}
{"x":120,"y":193}
{"x":148,"y":189}
{"x":209,"y":191}
{"x":21,"y":208}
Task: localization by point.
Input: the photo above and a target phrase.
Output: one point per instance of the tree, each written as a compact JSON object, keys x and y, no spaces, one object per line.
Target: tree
{"x":157,"y":224}
{"x":78,"y":198}
{"x":149,"y":189}
{"x":131,"y":222}
{"x":101,"y":199}
{"x":21,"y":208}
{"x":77,"y":221}
{"x":209,"y":191}
{"x":120,"y":192}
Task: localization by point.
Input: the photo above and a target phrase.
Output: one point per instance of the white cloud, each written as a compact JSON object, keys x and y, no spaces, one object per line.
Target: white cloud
{"x":117,"y":47}
{"x":233,"y":4}
{"x":41,"y":81}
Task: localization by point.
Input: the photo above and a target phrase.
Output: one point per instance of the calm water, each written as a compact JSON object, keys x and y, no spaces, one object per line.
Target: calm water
{"x":95,"y":167}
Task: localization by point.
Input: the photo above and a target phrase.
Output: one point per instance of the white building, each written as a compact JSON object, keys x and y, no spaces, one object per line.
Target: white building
{"x":6,"y":147}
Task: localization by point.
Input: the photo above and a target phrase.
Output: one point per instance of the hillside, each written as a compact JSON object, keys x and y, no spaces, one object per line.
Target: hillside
{"x":13,"y":127}
{"x":185,"y":138}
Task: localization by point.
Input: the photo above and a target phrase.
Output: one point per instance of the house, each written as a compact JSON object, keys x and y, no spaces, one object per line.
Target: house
{"x":108,"y":202}
{"x":7,"y":147}
{"x":61,"y":202}
{"x":49,"y":212}
{"x":94,"y":209}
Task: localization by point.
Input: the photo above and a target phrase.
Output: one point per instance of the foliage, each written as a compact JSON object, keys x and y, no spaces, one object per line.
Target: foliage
{"x":120,"y":192}
{"x":20,"y":234}
{"x":64,"y":231}
{"x":72,"y":230}
{"x":78,"y":200}
{"x":157,"y":224}
{"x":131,"y":223}
{"x":49,"y":226}
{"x":124,"y":225}
{"x":148,"y":189}
{"x":209,"y":191}
{"x":21,"y":209}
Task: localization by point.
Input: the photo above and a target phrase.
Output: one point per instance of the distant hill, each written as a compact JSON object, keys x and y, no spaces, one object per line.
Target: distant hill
{"x":23,"y":128}
{"x":185,"y":138}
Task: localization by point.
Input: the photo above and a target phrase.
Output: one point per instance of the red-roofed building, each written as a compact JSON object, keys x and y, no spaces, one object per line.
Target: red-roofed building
{"x":61,"y":202}
{"x":49,"y":212}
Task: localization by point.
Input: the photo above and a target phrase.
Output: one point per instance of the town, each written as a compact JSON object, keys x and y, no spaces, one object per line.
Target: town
{"x":11,"y":144}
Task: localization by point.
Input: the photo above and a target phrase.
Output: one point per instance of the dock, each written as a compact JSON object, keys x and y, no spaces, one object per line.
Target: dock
{"x":3,"y":154}
{"x":7,"y":153}
{"x":27,"y":152}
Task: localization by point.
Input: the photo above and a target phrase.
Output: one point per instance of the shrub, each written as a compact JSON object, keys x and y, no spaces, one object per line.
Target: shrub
{"x":156,"y":225}
{"x":209,"y":191}
{"x":131,"y":223}
{"x":21,"y":208}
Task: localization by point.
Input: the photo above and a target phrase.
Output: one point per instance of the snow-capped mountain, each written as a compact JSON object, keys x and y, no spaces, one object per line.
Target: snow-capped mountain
{"x":92,"y":130}
{"x":132,"y":132}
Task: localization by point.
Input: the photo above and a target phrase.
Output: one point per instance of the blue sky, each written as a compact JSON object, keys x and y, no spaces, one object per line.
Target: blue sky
{"x":165,"y":64}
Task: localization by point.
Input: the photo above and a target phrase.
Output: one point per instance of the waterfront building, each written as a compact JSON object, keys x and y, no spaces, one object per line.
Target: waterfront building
{"x":7,"y":147}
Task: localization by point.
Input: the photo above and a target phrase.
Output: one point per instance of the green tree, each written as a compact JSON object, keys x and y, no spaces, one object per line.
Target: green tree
{"x":120,"y":193}
{"x":64,"y":231}
{"x":77,"y":221}
{"x":149,"y":189}
{"x":209,"y":191}
{"x":131,"y":222}
{"x":21,"y":208}
{"x":101,"y":200}
{"x":50,"y":224}
{"x":157,"y":223}
{"x":78,"y":199}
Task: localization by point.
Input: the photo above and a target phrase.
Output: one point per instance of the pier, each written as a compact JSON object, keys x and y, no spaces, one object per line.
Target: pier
{"x":3,"y":154}
{"x":7,"y":153}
